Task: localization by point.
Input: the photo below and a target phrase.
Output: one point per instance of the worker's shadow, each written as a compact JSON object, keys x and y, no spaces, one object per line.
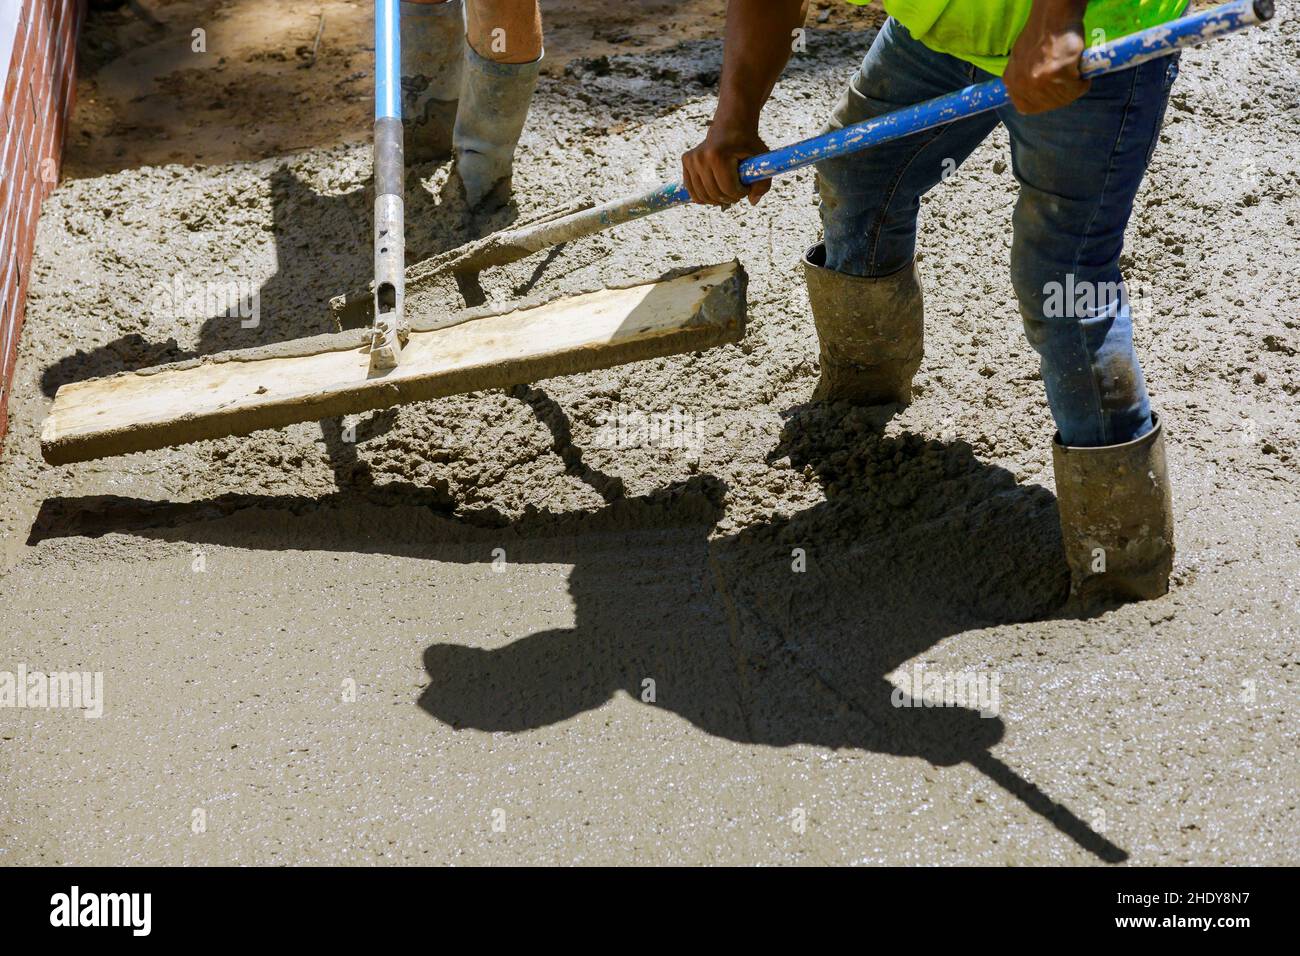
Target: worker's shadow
{"x":784,"y":633}
{"x":779,"y":634}
{"x":322,"y":248}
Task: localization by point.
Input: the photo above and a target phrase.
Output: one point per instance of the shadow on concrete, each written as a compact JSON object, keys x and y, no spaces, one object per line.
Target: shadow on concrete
{"x":916,"y":540}
{"x":322,"y":248}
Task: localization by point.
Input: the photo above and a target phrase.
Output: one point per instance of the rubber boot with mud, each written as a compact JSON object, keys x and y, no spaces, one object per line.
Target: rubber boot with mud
{"x":494,"y":100}
{"x":433,"y":38}
{"x":1117,"y":519}
{"x":870,"y":331}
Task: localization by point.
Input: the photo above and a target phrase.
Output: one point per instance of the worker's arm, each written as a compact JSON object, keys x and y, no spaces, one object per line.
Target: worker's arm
{"x":758,"y":44}
{"x":1043,"y":69}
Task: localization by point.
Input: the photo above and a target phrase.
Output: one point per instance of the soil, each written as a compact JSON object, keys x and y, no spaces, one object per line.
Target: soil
{"x":257,"y":83}
{"x":520,"y":626}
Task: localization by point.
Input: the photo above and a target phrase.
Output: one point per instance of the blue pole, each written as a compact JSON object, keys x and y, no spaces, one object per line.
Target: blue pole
{"x":388,"y":60}
{"x":1096,"y":61}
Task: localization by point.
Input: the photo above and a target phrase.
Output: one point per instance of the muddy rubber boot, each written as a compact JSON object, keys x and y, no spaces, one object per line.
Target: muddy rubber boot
{"x":1117,"y":519}
{"x":494,"y":100}
{"x":870,"y":332}
{"x":433,"y":41}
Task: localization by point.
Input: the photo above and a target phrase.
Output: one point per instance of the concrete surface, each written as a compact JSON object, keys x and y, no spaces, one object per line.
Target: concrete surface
{"x":499,"y":574}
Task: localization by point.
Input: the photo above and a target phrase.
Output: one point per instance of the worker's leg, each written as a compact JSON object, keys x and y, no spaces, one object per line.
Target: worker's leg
{"x":505,"y":31}
{"x":864,"y":289}
{"x":433,"y":34}
{"x":502,"y":59}
{"x":1079,"y":169}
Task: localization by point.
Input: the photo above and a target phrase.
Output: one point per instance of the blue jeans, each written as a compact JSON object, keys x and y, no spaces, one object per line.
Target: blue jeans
{"x":1079,"y":168}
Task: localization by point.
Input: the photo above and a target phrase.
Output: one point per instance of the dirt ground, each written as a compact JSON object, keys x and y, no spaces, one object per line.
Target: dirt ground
{"x":264,"y":86}
{"x":519,"y":627}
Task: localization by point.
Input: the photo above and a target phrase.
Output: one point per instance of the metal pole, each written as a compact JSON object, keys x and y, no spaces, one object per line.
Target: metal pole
{"x":390,"y":244}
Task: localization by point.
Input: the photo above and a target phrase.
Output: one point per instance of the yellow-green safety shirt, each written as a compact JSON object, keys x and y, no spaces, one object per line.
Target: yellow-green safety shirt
{"x":983,"y":31}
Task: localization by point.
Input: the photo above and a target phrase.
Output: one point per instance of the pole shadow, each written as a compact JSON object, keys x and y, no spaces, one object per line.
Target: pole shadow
{"x":322,"y":248}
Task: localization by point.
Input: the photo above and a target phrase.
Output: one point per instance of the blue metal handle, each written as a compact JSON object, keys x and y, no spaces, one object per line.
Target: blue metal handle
{"x":1110,"y":57}
{"x":388,"y":60}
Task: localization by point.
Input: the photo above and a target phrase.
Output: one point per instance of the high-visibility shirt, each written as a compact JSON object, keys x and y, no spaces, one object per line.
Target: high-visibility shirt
{"x":983,"y":31}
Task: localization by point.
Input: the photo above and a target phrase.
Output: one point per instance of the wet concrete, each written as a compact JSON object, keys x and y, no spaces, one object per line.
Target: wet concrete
{"x":498,"y":575}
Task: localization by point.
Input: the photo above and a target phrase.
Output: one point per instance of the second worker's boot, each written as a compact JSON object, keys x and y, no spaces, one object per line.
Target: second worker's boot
{"x":494,"y":102}
{"x":1117,"y":520}
{"x":870,"y":331}
{"x":433,"y":42}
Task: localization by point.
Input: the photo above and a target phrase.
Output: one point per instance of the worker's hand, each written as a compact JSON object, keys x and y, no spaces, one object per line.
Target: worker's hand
{"x":711,"y":172}
{"x":1043,"y":70}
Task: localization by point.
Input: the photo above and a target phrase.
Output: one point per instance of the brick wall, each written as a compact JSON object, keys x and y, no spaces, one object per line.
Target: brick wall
{"x":38,"y":46}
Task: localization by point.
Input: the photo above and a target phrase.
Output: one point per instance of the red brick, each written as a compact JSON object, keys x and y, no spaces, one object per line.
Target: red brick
{"x":16,"y":63}
{"x":36,"y":101}
{"x":13,"y":311}
{"x":18,"y":181}
{"x":39,"y":78}
{"x":38,"y":152}
{"x":20,"y":294}
{"x":9,"y":341}
{"x":46,"y":147}
{"x":42,"y":27}
{"x":28,"y":210}
{"x":61,"y":14}
{"x":67,"y":93}
{"x":71,"y":59}
{"x":9,"y":152}
{"x":8,"y":225}
{"x":8,"y":286}
{"x":16,"y":290}
{"x":27,"y":139}
{"x":16,"y":239}
{"x":64,"y":67}
{"x":6,"y":190}
{"x":42,"y":66}
{"x":8,"y":291}
{"x":16,"y":160}
{"x":25,"y":110}
{"x":15,"y":149}
{"x":12,"y":125}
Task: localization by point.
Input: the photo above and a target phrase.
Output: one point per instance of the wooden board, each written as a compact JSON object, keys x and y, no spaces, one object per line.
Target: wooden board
{"x":235,"y":393}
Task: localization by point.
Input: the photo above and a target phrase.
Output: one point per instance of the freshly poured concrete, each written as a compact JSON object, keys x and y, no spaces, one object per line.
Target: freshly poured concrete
{"x":497,"y":576}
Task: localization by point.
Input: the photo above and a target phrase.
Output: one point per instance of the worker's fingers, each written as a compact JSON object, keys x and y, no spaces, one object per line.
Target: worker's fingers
{"x":698,"y":179}
{"x":727,"y":172}
{"x":699,"y":186}
{"x":709,"y":185}
{"x":1042,"y":72}
{"x":758,"y":190}
{"x":1045,"y":96}
{"x":726,"y":182}
{"x":711,"y":171}
{"x":689,"y":181}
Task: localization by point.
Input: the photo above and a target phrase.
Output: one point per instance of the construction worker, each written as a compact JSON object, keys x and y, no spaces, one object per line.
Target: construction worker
{"x":1079,"y":151}
{"x":469,"y":68}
